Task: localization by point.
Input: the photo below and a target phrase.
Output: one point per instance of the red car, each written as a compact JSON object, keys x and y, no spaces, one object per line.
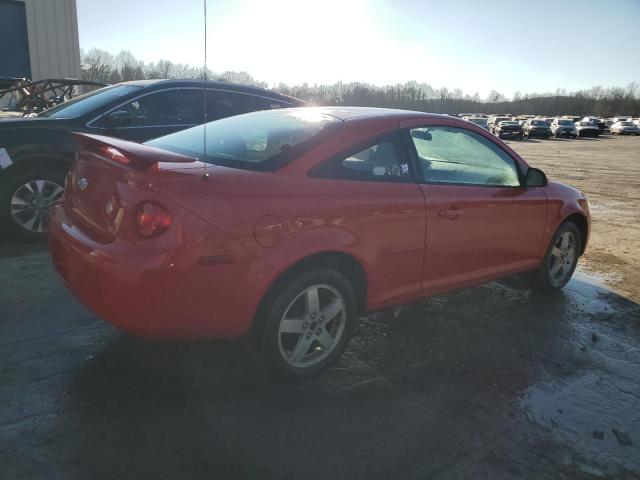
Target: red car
{"x":296,"y":221}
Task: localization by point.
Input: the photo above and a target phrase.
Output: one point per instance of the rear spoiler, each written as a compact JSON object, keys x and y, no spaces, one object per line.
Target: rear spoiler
{"x":136,"y":155}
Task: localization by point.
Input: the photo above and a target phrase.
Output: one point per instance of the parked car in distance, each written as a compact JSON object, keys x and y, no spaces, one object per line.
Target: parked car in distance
{"x":480,"y":121}
{"x":350,"y":210}
{"x":625,"y":128}
{"x":563,"y":127}
{"x":595,"y":121}
{"x":587,"y":129}
{"x":621,"y":118}
{"x":35,"y":153}
{"x":536,"y":127}
{"x":495,"y":119}
{"x":607,"y":125}
{"x":508,"y":129}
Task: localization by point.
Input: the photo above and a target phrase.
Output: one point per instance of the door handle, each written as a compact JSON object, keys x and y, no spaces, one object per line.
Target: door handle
{"x":452,"y":214}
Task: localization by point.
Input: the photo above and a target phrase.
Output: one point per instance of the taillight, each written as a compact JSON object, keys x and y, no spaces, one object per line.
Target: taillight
{"x":152,"y":219}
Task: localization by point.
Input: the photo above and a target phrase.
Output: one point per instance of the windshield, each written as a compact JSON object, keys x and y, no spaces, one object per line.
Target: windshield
{"x":626,"y":124}
{"x":508,"y":122}
{"x":539,"y":123}
{"x":565,"y":122}
{"x":479,"y":121}
{"x":262,"y":140}
{"x":89,"y":101}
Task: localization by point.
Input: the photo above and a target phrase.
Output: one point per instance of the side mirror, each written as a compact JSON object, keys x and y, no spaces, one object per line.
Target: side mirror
{"x":119,"y":118}
{"x":535,"y":178}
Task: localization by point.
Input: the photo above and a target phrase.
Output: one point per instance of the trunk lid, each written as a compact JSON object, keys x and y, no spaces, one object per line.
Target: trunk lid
{"x":110,"y":177}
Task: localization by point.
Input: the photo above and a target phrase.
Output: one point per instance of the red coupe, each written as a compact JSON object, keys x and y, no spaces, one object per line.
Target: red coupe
{"x":288,"y":224}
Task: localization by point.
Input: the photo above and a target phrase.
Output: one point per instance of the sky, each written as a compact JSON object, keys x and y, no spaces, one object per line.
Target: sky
{"x":476,"y":46}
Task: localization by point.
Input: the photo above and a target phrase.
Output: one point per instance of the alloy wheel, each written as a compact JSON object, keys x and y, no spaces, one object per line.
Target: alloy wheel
{"x":312,"y":326}
{"x":563,"y":258}
{"x":30,"y":204}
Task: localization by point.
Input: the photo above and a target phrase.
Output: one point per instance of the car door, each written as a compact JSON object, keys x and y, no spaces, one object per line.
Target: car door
{"x":377,"y":199}
{"x":154,"y":115}
{"x":481,"y":223}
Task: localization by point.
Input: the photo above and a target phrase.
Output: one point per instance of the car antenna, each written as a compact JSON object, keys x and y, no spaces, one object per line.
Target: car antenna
{"x":205,"y":174}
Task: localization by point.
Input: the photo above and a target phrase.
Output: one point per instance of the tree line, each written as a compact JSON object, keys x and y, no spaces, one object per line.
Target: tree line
{"x":99,"y":65}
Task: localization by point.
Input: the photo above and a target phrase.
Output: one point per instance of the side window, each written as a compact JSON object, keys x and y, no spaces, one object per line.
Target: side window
{"x":457,"y":155}
{"x":227,"y":104}
{"x":171,"y":107}
{"x":382,"y":162}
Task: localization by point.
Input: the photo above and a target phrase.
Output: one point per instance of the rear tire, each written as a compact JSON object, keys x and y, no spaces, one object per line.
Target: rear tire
{"x":561,"y":259}
{"x":307,"y":324}
{"x":24,"y":199}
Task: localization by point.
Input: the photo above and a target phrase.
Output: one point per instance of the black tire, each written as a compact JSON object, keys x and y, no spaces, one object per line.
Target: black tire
{"x":267,"y":335}
{"x":9,"y":187}
{"x":543,"y":279}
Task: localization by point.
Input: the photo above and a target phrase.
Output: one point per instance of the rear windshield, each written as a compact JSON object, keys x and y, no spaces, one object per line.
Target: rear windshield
{"x":539,"y":123}
{"x":626,"y":124}
{"x":84,"y":104}
{"x":565,"y":122}
{"x":479,"y":121}
{"x":263,"y":140}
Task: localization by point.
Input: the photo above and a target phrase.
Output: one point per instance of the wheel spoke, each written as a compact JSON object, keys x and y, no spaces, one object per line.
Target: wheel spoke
{"x":39,"y":184}
{"x":292,"y":325}
{"x":325,"y":339}
{"x":55,"y":194}
{"x":564,"y":240}
{"x":17,"y":201}
{"x":301,"y":349}
{"x":313,"y":301}
{"x":28,"y":224}
{"x":556,"y":267}
{"x":332,"y":310}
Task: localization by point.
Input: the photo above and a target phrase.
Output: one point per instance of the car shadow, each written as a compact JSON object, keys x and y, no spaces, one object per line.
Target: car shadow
{"x":453,"y":364}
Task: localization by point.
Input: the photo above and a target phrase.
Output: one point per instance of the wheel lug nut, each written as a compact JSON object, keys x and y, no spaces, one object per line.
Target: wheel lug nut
{"x":318,"y":331}
{"x":309,"y":335}
{"x":313,"y":315}
{"x":305,"y":325}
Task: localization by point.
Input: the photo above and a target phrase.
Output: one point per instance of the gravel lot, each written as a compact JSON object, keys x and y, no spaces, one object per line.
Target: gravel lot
{"x":607,"y":169}
{"x":487,"y":382}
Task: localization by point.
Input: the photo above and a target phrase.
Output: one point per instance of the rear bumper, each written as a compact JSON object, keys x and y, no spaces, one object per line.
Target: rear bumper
{"x":509,"y":134}
{"x":565,"y":133}
{"x":153,"y":291}
{"x":539,"y":133}
{"x":588,"y":133}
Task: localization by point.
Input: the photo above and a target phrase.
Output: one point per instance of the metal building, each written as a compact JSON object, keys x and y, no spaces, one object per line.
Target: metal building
{"x":39,"y":39}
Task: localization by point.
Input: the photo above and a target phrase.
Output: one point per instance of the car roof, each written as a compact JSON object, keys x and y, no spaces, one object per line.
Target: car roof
{"x":168,"y":83}
{"x":349,"y":113}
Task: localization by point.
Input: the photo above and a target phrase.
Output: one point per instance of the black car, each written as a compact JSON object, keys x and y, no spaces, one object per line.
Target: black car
{"x":36,"y":152}
{"x":536,"y":127}
{"x":508,"y":129}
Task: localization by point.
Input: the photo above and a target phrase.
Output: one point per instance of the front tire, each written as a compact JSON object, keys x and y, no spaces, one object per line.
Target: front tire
{"x":561,"y":258}
{"x":25,"y":197}
{"x":307,"y":324}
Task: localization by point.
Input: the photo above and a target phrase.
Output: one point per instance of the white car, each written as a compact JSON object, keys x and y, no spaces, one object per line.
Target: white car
{"x":625,"y":128}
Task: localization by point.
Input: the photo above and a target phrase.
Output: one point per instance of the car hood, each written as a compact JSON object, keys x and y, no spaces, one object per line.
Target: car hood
{"x":565,"y":191}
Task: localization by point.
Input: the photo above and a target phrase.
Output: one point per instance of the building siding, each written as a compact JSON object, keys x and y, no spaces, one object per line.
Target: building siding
{"x":52,"y":28}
